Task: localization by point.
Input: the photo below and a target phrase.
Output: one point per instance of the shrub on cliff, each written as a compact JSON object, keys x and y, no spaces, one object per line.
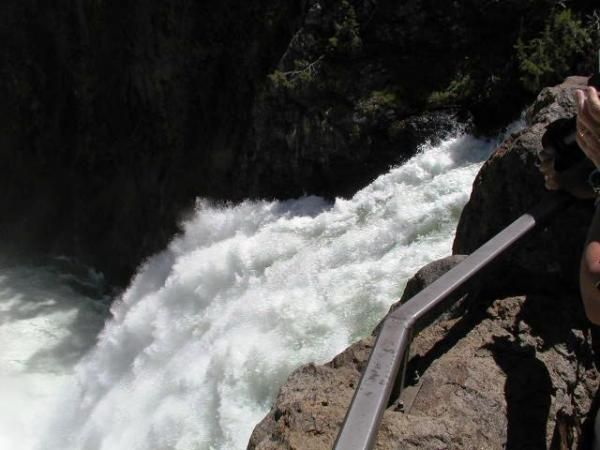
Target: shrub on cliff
{"x":548,"y":57}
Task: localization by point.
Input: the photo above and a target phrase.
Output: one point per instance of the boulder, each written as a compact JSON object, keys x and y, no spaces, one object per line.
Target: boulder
{"x":509,"y":184}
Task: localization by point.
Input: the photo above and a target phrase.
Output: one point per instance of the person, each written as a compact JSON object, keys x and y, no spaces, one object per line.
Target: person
{"x":572,"y":181}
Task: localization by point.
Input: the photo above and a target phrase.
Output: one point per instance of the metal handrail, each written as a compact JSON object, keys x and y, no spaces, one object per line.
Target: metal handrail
{"x":390,"y":353}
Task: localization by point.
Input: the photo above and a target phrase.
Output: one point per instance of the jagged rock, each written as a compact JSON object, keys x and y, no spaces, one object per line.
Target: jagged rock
{"x":555,"y":102}
{"x":431,"y":272}
{"x":311,"y":405}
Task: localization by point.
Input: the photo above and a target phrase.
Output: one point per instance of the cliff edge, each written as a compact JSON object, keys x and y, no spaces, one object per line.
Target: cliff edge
{"x":514,"y":366}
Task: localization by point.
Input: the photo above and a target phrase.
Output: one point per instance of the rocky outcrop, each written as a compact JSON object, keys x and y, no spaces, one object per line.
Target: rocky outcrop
{"x":509,"y":184}
{"x":117,"y":115}
{"x":514,"y":365}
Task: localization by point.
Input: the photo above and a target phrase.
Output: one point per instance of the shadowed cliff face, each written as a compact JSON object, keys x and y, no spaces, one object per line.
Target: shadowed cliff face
{"x":363,"y":83}
{"x":115,"y":116}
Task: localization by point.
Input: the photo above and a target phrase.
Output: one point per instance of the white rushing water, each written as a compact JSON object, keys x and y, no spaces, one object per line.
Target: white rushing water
{"x":199,"y":344}
{"x":48,"y":319}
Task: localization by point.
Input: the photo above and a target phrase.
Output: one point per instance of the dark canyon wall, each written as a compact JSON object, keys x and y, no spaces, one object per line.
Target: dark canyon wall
{"x":116,"y":115}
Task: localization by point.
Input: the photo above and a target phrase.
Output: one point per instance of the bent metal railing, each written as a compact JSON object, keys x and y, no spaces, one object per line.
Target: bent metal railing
{"x":390,"y":353}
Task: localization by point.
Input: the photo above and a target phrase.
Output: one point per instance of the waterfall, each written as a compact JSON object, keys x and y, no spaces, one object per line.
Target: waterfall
{"x":198,"y":345}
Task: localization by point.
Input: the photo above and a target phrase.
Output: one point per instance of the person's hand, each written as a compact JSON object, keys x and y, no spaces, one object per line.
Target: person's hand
{"x":588,"y":123}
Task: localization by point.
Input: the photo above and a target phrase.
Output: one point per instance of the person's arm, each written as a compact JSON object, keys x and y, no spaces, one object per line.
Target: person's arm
{"x":588,"y":123}
{"x":573,"y":181}
{"x":588,"y":138}
{"x":589,"y":273}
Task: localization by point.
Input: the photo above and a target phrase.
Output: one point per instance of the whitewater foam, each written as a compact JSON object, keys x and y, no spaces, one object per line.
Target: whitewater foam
{"x":210,"y":328}
{"x":46,"y":324}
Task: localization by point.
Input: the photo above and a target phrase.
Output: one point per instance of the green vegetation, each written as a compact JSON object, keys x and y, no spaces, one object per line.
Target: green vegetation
{"x":304,"y":75}
{"x":592,"y":22}
{"x":279,"y":80}
{"x":593,"y":25}
{"x":547,"y":58}
{"x":378,"y":100}
{"x":346,"y":38}
{"x":461,"y":87}
{"x":317,"y":70}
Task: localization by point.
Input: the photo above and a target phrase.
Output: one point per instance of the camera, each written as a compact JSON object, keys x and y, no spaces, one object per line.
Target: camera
{"x":559,"y":138}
